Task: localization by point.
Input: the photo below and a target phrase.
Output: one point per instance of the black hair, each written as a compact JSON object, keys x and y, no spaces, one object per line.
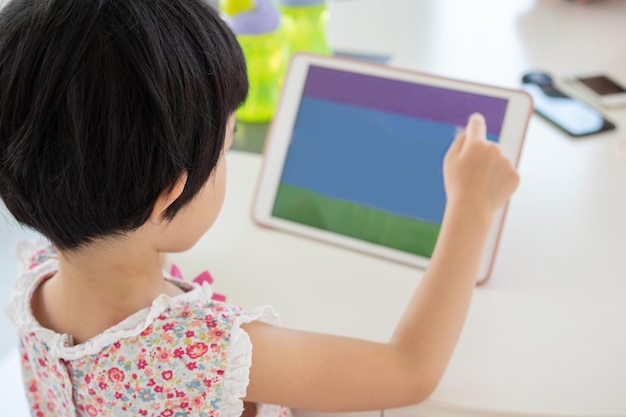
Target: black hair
{"x":104,"y":104}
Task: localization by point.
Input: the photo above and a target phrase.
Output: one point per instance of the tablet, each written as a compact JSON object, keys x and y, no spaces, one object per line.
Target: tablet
{"x":354,"y":155}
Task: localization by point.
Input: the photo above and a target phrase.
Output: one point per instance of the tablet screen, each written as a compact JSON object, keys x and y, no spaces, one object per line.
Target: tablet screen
{"x":366,"y":153}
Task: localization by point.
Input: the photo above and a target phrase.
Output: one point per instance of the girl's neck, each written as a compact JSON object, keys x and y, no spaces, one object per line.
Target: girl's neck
{"x":100,"y":285}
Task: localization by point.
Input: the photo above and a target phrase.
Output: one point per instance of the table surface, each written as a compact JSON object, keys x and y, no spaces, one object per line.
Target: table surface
{"x":545,"y":336}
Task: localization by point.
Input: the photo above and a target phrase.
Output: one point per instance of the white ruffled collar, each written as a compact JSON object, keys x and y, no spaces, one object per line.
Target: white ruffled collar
{"x":61,"y":345}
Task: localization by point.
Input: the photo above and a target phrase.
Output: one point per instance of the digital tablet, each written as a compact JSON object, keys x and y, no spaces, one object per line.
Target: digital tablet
{"x":354,"y":154}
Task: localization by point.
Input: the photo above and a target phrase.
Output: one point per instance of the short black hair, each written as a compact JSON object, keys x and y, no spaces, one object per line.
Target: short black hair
{"x":104,"y":104}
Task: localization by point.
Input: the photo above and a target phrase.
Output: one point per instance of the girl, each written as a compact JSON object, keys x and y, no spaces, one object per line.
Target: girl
{"x":114,"y":120}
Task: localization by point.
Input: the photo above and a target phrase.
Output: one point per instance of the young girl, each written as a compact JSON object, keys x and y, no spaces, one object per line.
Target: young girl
{"x":114,"y":120}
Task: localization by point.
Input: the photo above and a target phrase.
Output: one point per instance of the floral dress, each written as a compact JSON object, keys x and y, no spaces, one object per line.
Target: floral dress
{"x":184,"y":356}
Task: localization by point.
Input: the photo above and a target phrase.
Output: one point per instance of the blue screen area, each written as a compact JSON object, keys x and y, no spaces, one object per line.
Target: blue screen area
{"x":367,"y":156}
{"x":375,"y":158}
{"x":379,"y":143}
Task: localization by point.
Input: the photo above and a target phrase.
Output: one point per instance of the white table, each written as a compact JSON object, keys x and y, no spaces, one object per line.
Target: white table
{"x":545,"y":336}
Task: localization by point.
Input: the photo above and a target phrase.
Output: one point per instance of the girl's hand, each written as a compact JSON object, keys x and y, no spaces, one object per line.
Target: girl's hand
{"x":476,"y":173}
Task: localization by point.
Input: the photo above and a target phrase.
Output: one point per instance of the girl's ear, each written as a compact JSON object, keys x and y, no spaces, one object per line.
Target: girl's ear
{"x":165,"y":199}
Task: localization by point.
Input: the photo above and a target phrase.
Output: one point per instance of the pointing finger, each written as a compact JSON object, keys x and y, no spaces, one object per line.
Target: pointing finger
{"x":476,"y":127}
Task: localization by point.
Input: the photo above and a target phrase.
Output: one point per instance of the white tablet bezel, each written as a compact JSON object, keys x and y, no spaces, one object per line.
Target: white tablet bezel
{"x":511,"y":139}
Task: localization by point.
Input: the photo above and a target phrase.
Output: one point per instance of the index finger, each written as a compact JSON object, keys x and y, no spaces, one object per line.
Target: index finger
{"x":476,"y":127}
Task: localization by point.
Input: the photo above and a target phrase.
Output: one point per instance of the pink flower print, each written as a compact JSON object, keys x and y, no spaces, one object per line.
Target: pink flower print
{"x":158,"y":388}
{"x":143,"y":412}
{"x":163,"y":355}
{"x":167,"y":338}
{"x":116,"y":375}
{"x":184,"y":405}
{"x":42,"y":362}
{"x":167,"y":375}
{"x":178,"y":353}
{"x":33,"y":387}
{"x":88,"y":379}
{"x":216,"y":334}
{"x":167,"y":413}
{"x":168,"y":326}
{"x":146,"y":332}
{"x":118,"y":395}
{"x":141,"y":364}
{"x":151,"y":382}
{"x":191,"y":366}
{"x":190,"y":333}
{"x":149,"y":372}
{"x":196,"y":350}
{"x":91,"y":410}
{"x":91,"y":392}
{"x":117,"y":345}
{"x":103,"y":386}
{"x":197,"y":402}
{"x":180,"y":394}
{"x":207,"y":382}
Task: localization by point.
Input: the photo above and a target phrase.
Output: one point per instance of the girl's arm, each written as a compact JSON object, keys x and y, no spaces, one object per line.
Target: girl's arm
{"x":330,"y":373}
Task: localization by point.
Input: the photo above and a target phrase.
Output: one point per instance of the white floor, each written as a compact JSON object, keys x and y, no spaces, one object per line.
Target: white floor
{"x":10,"y":232}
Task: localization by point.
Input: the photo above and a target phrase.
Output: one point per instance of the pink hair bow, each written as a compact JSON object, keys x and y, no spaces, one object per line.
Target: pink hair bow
{"x":203,"y":277}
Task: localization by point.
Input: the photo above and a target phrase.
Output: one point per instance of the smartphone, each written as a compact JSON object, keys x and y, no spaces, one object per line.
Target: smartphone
{"x":573,"y":116}
{"x":600,"y":89}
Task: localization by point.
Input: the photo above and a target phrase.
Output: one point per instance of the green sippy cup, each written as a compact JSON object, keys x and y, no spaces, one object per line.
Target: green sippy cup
{"x":305,"y":25}
{"x":257,"y":25}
